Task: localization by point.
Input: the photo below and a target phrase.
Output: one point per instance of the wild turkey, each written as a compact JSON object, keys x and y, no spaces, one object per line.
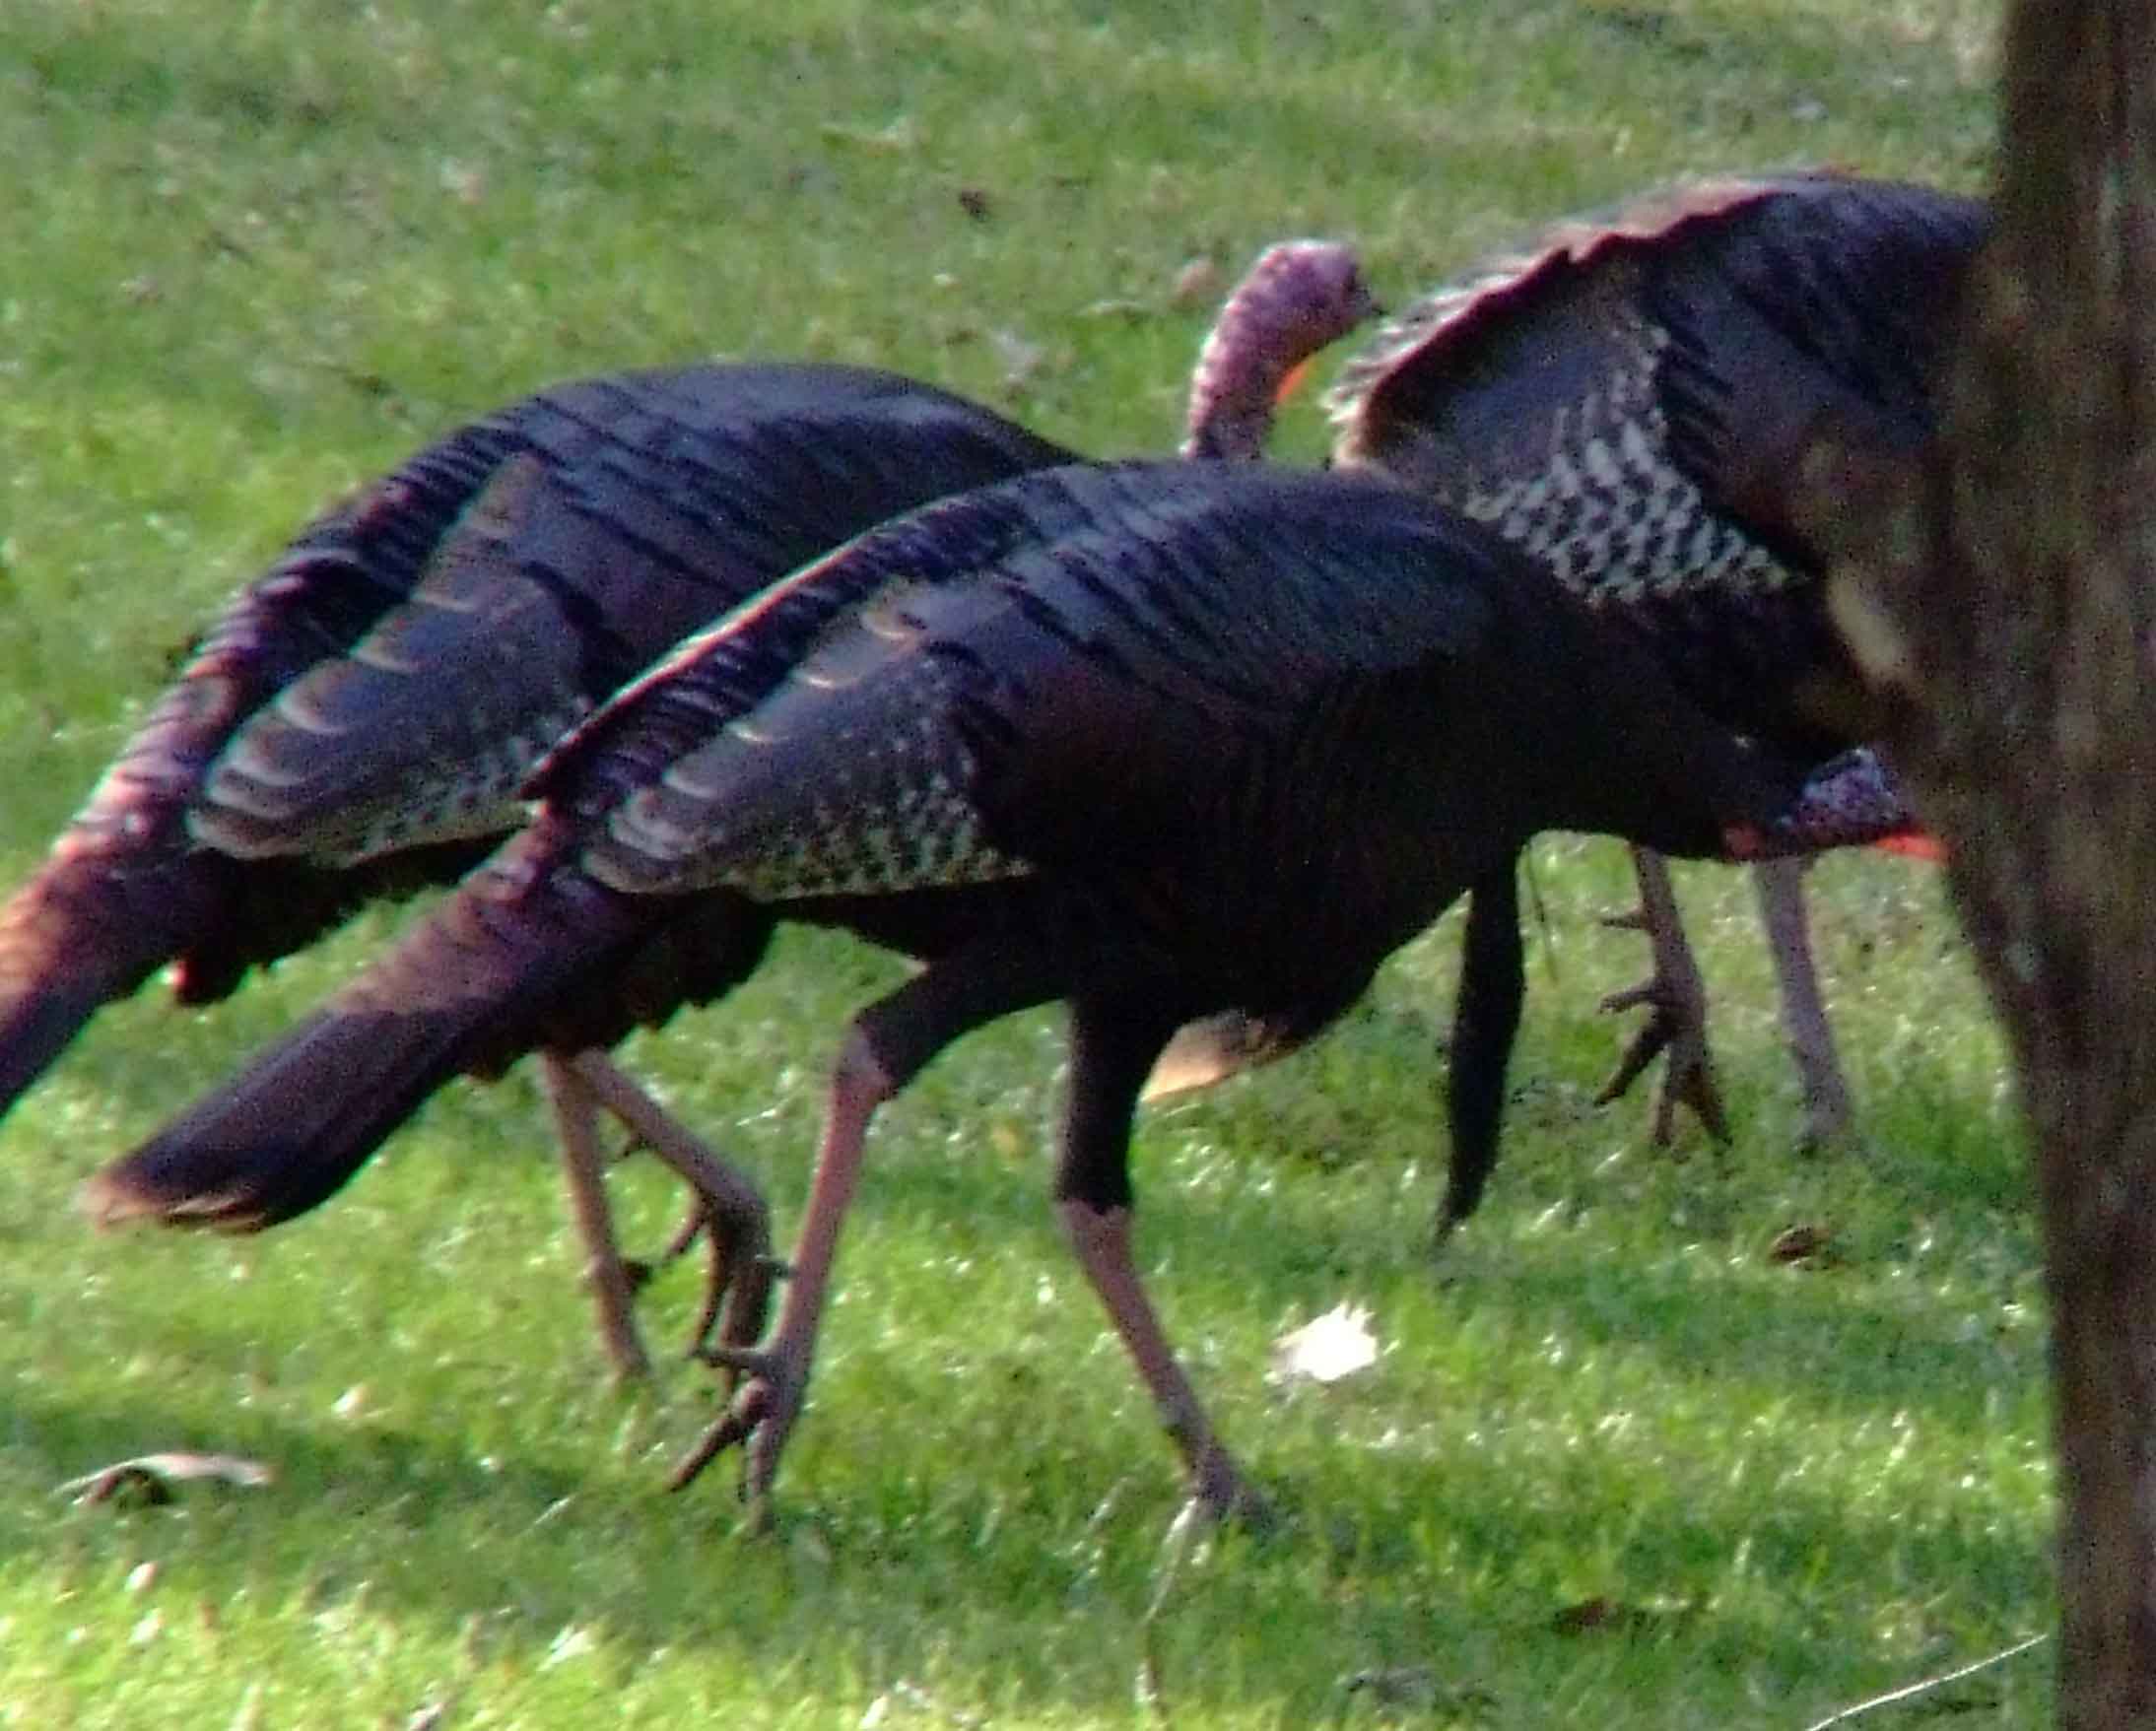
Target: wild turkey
{"x":1156,"y":740}
{"x":1626,"y":399}
{"x":680,"y":493}
{"x":443,"y":662}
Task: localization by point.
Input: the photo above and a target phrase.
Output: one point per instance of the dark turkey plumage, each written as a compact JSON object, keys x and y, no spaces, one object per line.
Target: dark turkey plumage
{"x":1157,"y":741}
{"x":682,"y":493}
{"x":368,"y":710}
{"x":1627,"y":399}
{"x":358,"y":719}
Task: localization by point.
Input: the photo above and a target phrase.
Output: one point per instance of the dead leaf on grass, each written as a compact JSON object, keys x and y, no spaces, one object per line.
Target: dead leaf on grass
{"x":1803,"y":1246}
{"x":149,"y":1478}
{"x":1328,"y":1348}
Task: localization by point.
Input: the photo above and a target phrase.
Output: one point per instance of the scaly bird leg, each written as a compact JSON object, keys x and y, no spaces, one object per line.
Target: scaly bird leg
{"x":1677,"y":998}
{"x":583,"y":1167}
{"x":1100,"y":1240}
{"x":1827,"y":1111}
{"x":764,"y":1408}
{"x":1115,"y":1040}
{"x":1008,"y":969}
{"x":738,"y":1284}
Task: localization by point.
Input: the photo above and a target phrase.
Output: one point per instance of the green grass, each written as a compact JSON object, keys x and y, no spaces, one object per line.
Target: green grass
{"x":257,"y":253}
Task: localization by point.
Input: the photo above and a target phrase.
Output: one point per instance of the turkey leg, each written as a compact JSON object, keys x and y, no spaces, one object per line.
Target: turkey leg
{"x":1113,"y":1043}
{"x":1676,"y":998}
{"x":721,"y":1203}
{"x":737,"y":1290}
{"x":890,"y":1041}
{"x":1827,"y":1110}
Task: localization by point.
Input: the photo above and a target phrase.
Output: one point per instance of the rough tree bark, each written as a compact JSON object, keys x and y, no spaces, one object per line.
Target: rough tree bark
{"x":2001,"y":596}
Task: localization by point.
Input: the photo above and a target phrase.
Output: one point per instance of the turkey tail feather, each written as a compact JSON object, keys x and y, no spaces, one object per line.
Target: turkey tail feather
{"x":289,"y":1133}
{"x":468,"y":988}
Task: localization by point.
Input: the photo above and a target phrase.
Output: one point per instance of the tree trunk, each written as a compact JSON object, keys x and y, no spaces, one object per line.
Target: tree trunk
{"x":2000,"y":601}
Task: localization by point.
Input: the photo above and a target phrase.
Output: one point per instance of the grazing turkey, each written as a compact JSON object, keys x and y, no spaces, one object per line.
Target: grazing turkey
{"x":1158,"y":741}
{"x":1627,"y":399}
{"x":440,"y":662}
{"x":672,"y":495}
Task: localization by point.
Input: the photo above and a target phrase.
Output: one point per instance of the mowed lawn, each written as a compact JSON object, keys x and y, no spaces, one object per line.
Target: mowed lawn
{"x":1617,"y":1465}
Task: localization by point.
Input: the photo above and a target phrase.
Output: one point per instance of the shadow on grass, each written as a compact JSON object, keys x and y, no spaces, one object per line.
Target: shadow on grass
{"x":1424,"y":1564}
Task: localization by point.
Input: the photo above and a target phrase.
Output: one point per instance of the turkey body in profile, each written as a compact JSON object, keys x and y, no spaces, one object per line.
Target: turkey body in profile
{"x":362,"y":717}
{"x":429,"y":685}
{"x":1628,"y":399}
{"x":1157,"y":741}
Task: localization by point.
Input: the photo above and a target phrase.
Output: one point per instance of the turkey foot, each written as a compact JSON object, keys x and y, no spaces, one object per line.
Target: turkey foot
{"x":1676,"y":997}
{"x":764,"y":1409}
{"x":746,"y":1300}
{"x":758,"y":1417}
{"x":724,"y":1206}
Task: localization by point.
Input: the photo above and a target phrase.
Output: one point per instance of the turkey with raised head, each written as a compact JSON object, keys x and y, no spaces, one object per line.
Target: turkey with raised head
{"x":359,"y":718}
{"x":1157,"y":741}
{"x":1626,"y":399}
